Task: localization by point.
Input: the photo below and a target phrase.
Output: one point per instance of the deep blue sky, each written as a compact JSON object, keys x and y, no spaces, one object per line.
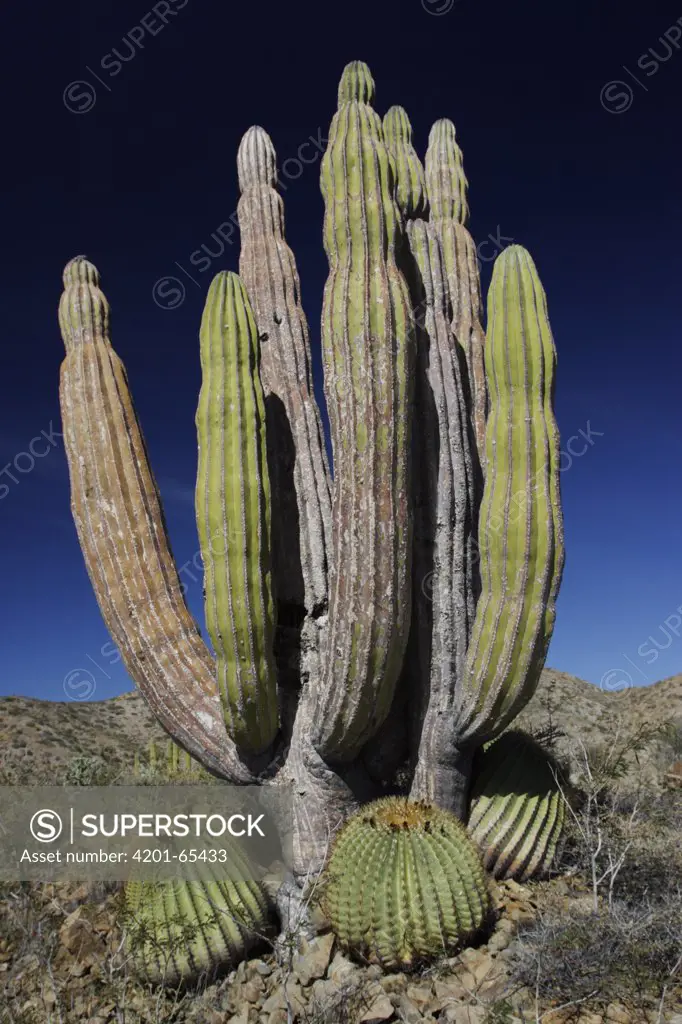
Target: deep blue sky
{"x":142,"y":180}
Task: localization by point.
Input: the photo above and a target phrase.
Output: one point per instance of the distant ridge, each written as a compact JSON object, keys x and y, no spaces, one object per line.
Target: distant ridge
{"x":43,"y":736}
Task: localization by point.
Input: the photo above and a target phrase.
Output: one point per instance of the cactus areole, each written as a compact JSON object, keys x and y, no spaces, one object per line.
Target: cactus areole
{"x":397,"y":615}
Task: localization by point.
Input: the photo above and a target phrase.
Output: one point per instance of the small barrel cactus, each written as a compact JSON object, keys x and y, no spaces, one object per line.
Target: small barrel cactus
{"x":178,"y":930}
{"x":404,"y":883}
{"x":517,"y":810}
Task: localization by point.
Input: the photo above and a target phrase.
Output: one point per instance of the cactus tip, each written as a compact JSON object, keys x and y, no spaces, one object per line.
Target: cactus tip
{"x":397,"y":124}
{"x":356,"y":84}
{"x":80,"y":270}
{"x":256,"y":159}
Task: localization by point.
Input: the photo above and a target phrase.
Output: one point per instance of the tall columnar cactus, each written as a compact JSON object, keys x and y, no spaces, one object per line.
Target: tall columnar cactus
{"x":445,"y":574}
{"x":447,"y":185}
{"x":404,"y":883}
{"x":368,"y":352}
{"x":403,"y":357}
{"x":517,"y":808}
{"x":520,"y":522}
{"x":233,"y":515}
{"x":297,"y":462}
{"x":122,"y":532}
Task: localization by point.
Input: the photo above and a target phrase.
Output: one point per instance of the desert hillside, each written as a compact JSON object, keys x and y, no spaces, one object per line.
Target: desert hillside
{"x":39,"y":738}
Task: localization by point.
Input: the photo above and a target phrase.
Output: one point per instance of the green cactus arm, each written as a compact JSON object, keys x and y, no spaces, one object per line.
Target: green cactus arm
{"x":297,"y":461}
{"x":367,"y":345}
{"x":122,"y":533}
{"x":445,"y":578}
{"x":446,"y":186}
{"x":520,"y":523}
{"x":517,"y":810}
{"x":410,"y":179}
{"x":233,"y":515}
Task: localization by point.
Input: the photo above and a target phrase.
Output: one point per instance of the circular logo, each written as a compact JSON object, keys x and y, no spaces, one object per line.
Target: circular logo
{"x":616,"y":679}
{"x":168,"y":292}
{"x":79,"y":97}
{"x":79,"y":684}
{"x":616,"y":97}
{"x":46,"y":826}
{"x":438,"y":7}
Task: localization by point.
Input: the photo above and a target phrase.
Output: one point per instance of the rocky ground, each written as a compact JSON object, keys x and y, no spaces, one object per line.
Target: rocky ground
{"x":548,"y":956}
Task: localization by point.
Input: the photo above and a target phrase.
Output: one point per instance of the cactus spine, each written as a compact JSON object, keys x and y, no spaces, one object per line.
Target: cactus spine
{"x":233,"y":515}
{"x":367,"y":345}
{"x":404,"y":883}
{"x":517,"y":809}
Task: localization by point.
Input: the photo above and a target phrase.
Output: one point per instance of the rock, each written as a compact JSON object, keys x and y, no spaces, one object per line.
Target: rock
{"x":618,"y":1013}
{"x":463,"y":1014}
{"x":312,"y":961}
{"x":341,"y":969}
{"x":77,"y":936}
{"x":252,"y":990}
{"x":260,"y":967}
{"x":420,"y":994}
{"x":379,"y":1006}
{"x":407,"y":1011}
{"x":448,"y":993}
{"x":246,"y":1015}
{"x":393,"y":983}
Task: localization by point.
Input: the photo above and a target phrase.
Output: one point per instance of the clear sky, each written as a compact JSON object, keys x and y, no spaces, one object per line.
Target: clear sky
{"x":122,"y":131}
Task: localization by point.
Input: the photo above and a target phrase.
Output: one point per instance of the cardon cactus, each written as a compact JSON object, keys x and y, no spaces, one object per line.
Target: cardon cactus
{"x":419,"y":584}
{"x":517,"y":809}
{"x":404,"y":883}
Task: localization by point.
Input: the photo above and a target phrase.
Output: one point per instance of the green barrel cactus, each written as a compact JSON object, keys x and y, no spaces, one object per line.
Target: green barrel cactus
{"x":404,"y":883}
{"x":517,"y":809}
{"x":415,"y":588}
{"x":176,"y":930}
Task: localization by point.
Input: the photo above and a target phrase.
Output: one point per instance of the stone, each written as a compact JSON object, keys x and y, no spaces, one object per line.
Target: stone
{"x":341,"y":969}
{"x":406,"y":1010}
{"x":379,"y":1006}
{"x":447,"y":993}
{"x":618,"y":1013}
{"x":463,"y":1014}
{"x":252,"y":991}
{"x":77,"y":936}
{"x":393,"y":984}
{"x":259,"y":967}
{"x":312,"y":961}
{"x":420,"y":994}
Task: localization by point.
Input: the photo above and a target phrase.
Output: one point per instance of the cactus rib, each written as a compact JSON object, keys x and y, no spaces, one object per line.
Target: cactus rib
{"x":301,"y":537}
{"x":122,"y":532}
{"x":520,"y":525}
{"x":367,"y":343}
{"x":233,"y":515}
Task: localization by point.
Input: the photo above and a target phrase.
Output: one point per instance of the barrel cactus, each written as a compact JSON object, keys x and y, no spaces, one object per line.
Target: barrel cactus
{"x":177,"y":930}
{"x":404,"y":883}
{"x":517,"y":809}
{"x":397,"y":613}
